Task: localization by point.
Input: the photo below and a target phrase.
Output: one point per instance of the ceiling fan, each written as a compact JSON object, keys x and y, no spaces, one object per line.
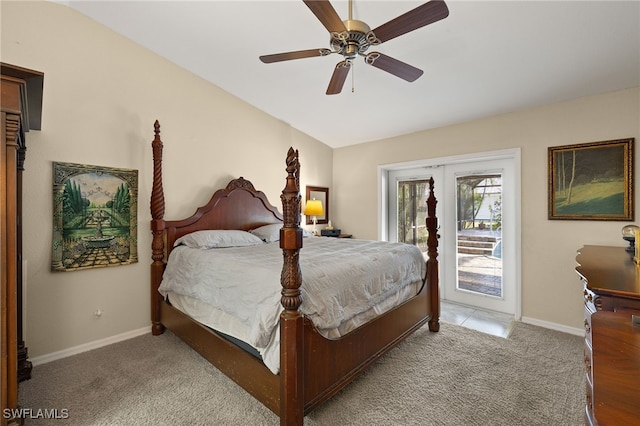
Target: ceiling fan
{"x":351,"y":38}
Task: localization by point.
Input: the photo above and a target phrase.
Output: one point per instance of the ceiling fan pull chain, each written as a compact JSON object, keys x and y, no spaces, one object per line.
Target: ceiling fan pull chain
{"x":353,"y":78}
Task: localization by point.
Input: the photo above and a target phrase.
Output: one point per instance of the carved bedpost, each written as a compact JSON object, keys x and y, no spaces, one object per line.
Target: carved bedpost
{"x":432,"y":261}
{"x":291,"y":320}
{"x":157,"y":229}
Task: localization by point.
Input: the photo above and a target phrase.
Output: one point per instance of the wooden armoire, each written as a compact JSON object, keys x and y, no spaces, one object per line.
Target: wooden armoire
{"x":21,"y":104}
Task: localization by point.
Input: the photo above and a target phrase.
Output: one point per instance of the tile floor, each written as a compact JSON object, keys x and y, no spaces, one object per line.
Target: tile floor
{"x":495,"y":323}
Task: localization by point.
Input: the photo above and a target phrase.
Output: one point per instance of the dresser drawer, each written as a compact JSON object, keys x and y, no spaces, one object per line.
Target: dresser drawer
{"x":589,"y":299}
{"x":587,"y":325}
{"x":588,"y":363}
{"x":589,"y":406}
{"x":627,"y":304}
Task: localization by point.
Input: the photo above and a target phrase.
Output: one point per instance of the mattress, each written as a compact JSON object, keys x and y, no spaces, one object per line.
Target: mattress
{"x":345,"y":283}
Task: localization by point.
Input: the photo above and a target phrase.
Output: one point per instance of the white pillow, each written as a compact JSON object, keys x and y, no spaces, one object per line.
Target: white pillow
{"x":218,"y":238}
{"x":268,"y":233}
{"x":271,"y":233}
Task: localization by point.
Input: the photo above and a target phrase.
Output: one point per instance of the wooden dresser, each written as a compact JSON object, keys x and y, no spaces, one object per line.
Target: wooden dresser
{"x":615,"y":369}
{"x":611,"y":288}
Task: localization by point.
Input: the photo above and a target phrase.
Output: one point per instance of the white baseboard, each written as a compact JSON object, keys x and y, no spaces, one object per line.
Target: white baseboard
{"x":43,"y":359}
{"x":553,"y":326}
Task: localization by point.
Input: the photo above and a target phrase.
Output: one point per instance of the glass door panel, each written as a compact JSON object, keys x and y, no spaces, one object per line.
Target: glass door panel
{"x":479,"y":234}
{"x":412,"y":212}
{"x":480,"y":260}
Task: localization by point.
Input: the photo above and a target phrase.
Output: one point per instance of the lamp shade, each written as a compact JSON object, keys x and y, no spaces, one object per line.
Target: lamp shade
{"x":314,"y":208}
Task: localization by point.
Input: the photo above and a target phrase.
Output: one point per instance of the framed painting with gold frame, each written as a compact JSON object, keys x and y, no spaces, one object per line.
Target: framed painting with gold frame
{"x":591,"y":181}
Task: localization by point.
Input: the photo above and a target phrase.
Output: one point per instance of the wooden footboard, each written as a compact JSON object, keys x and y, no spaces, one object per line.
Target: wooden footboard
{"x":332,"y":364}
{"x":312,"y":367}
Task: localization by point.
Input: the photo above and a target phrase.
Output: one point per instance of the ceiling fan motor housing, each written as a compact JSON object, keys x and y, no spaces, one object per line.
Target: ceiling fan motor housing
{"x":355,"y":41}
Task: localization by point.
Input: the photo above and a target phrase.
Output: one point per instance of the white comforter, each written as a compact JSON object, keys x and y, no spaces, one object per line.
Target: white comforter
{"x":341,"y":280}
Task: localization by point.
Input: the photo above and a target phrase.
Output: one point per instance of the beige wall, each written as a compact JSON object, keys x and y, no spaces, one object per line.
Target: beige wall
{"x":102,"y":94}
{"x":550,"y":288}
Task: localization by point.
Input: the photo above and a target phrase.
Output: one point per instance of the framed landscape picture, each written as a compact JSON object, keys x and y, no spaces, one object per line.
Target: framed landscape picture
{"x":592,"y":181}
{"x":95,"y":219}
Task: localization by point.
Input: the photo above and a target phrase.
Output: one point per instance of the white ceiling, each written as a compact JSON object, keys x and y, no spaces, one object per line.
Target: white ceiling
{"x":486,"y":58}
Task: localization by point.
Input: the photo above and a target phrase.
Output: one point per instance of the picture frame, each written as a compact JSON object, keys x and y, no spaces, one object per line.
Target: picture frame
{"x":95,"y":217}
{"x":322,"y":194}
{"x":592,"y":181}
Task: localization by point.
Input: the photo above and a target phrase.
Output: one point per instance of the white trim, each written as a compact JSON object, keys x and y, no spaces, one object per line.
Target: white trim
{"x":453,"y":159}
{"x":554,"y":326}
{"x":53,"y":356}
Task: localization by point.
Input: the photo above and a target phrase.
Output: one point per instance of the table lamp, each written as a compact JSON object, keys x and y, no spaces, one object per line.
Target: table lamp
{"x":314,"y":209}
{"x":629,"y":235}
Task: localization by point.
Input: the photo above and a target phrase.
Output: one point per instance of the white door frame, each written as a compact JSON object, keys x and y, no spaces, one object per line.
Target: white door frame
{"x":383,"y":188}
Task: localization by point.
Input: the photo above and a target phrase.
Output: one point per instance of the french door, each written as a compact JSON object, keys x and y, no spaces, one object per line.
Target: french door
{"x":478,"y":216}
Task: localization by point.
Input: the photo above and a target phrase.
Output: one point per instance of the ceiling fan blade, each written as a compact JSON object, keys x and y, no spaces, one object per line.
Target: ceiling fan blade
{"x":393,"y":66}
{"x":327,"y":15}
{"x":338,"y":78}
{"x":299,"y":54}
{"x":425,"y":14}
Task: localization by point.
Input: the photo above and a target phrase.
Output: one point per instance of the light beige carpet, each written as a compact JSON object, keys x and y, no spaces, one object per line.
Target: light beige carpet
{"x":455,"y":377}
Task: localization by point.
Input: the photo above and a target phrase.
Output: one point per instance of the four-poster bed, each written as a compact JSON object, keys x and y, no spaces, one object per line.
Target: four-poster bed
{"x":312,"y":367}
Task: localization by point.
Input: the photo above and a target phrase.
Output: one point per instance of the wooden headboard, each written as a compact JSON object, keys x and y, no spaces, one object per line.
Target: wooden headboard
{"x":238,"y":206}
